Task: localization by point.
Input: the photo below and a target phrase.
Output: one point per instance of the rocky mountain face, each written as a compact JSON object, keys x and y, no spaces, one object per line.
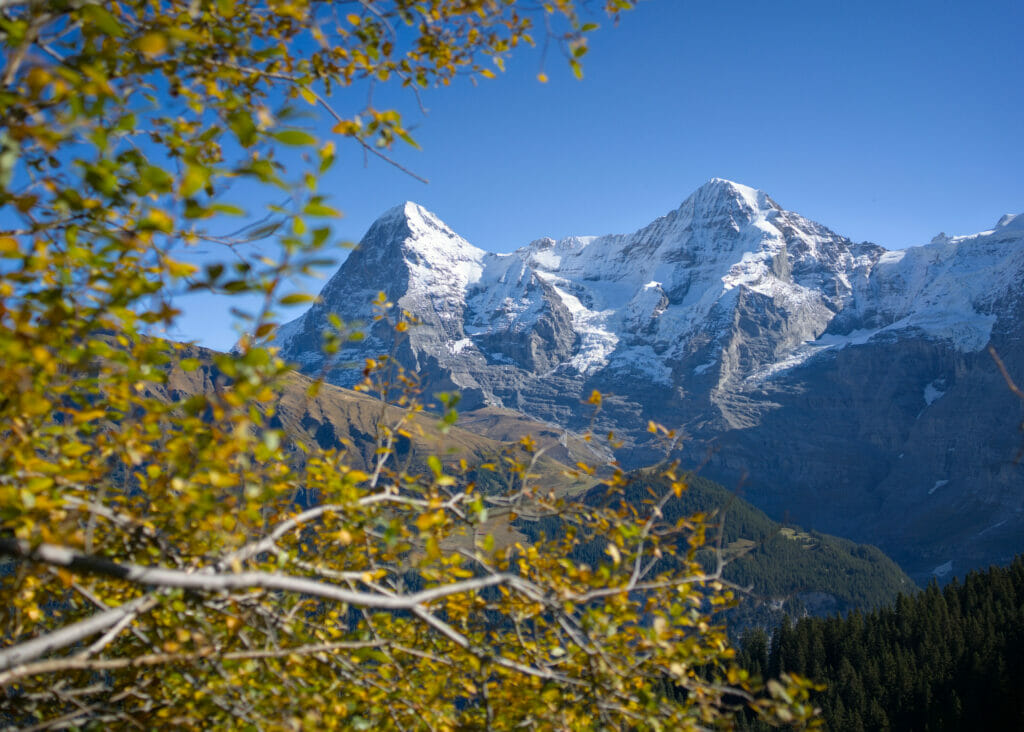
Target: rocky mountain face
{"x":848,"y":385}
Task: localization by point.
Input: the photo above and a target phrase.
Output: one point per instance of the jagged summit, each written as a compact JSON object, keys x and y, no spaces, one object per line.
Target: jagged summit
{"x":720,"y":194}
{"x":672,"y":298}
{"x":416,"y":217}
{"x":413,"y":221}
{"x":1011,"y":221}
{"x":721,"y":189}
{"x":409,"y":235}
{"x":668,"y":299}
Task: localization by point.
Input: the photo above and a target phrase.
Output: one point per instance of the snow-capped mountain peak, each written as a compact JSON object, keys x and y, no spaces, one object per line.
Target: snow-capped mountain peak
{"x":729,"y":286}
{"x":416,"y":229}
{"x":1011,"y":221}
{"x":847,"y":380}
{"x":719,"y":191}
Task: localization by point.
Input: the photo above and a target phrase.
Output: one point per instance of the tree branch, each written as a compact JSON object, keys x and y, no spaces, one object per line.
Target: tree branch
{"x":1006,"y":374}
{"x":156,"y":659}
{"x":33,"y":649}
{"x":217,"y":582}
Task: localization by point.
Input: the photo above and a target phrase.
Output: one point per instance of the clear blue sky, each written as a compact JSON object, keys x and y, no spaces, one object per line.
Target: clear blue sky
{"x":887,"y":122}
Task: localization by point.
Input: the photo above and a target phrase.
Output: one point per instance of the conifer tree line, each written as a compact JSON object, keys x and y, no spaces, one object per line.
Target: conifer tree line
{"x":944,"y":659}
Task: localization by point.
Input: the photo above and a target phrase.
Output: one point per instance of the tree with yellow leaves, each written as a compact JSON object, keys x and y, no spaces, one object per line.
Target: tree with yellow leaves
{"x":168,"y":555}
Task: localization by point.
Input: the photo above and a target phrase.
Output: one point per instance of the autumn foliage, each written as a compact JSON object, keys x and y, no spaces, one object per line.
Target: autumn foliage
{"x":169,"y":556}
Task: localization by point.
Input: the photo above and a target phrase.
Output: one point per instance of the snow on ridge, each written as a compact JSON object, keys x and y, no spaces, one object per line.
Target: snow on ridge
{"x":659,"y":284}
{"x":945,"y":288}
{"x":752,"y":197}
{"x":597,"y":341}
{"x":445,"y":264}
{"x":1011,"y":221}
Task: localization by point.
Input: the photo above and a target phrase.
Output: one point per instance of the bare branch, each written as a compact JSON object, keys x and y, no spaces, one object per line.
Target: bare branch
{"x":1006,"y":374}
{"x":217,"y":582}
{"x":157,"y":659}
{"x":33,"y":649}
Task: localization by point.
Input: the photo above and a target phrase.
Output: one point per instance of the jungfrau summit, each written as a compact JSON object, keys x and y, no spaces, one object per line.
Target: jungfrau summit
{"x":843,"y":385}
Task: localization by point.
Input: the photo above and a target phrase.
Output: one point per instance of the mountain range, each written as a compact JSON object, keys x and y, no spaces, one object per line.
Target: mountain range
{"x":845,"y":386}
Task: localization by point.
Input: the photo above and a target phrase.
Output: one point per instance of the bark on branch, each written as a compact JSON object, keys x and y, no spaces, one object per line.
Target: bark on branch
{"x":33,"y":649}
{"x":216,"y":582}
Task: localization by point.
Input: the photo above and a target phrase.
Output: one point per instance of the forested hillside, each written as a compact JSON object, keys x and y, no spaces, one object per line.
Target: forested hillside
{"x":944,"y":659}
{"x":781,"y":569}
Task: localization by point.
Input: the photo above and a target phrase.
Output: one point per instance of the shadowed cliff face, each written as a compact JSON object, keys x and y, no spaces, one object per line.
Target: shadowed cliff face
{"x":855,"y":448}
{"x":848,"y":383}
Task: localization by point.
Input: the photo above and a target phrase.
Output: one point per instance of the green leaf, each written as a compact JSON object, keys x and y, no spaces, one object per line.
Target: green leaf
{"x":407,"y":139}
{"x":435,"y":465}
{"x":296,"y":138}
{"x":319,"y":237}
{"x":297,"y":298}
{"x":103,"y":20}
{"x":315,"y":208}
{"x":195,"y":179}
{"x":241,"y":123}
{"x":228,"y":208}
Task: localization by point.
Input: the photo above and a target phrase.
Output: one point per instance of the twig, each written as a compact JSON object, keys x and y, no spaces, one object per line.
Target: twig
{"x":1006,"y":374}
{"x":214,"y":582}
{"x":156,"y":659}
{"x":33,"y":649}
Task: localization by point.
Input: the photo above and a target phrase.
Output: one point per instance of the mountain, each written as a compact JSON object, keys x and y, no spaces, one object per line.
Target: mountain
{"x":849,"y":384}
{"x":786,"y":570}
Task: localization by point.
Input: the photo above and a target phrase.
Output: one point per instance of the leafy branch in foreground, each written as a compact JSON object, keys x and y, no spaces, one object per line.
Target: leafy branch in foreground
{"x":370,"y":600}
{"x":172,"y":557}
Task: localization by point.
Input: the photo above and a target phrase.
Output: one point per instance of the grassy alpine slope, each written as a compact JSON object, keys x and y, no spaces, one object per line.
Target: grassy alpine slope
{"x":786,"y":569}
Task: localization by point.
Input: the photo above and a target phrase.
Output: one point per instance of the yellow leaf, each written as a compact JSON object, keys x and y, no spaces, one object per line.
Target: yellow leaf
{"x":66,"y":578}
{"x":222,"y":480}
{"x":9,"y":245}
{"x":88,"y":415}
{"x":152,"y":45}
{"x":542,"y":78}
{"x":181,"y":269}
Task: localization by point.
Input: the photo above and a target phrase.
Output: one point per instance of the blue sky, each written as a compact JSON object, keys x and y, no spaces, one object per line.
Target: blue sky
{"x":887,"y":122}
